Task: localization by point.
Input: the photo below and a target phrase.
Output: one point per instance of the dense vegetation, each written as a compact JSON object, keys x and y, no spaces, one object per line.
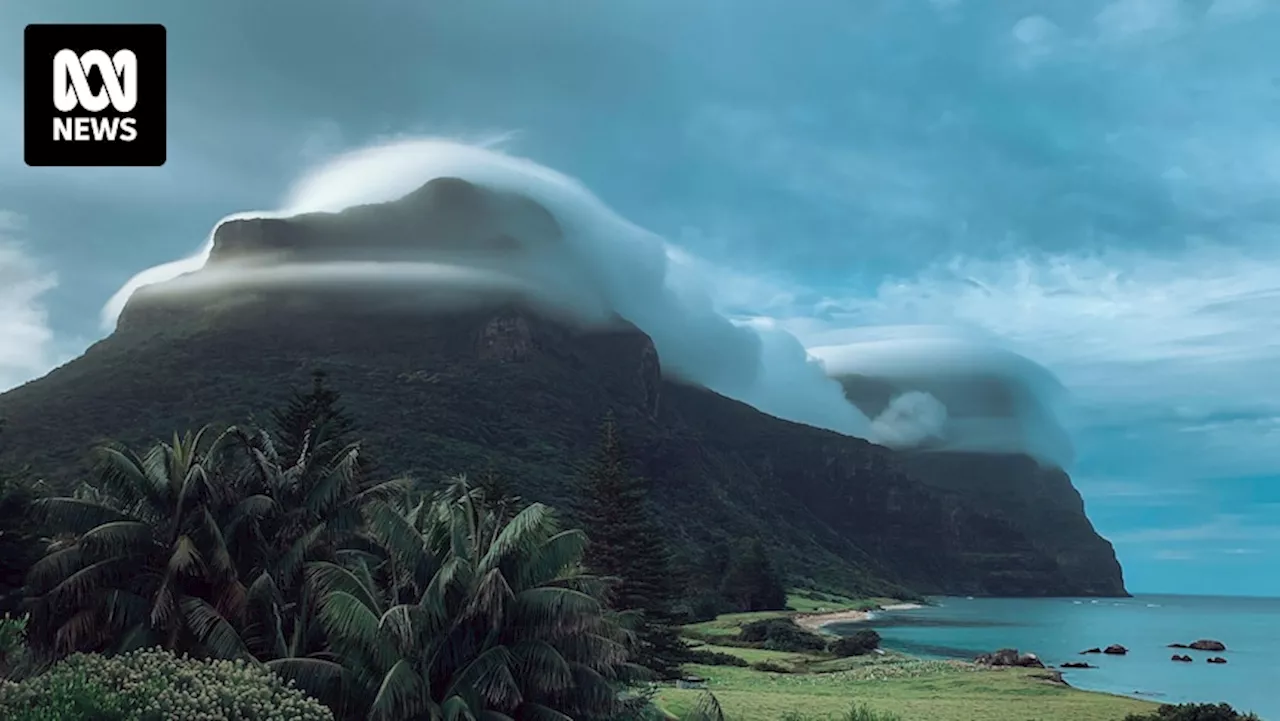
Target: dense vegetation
{"x":628,"y":546}
{"x":154,"y":685}
{"x":1194,"y":712}
{"x":279,"y":549}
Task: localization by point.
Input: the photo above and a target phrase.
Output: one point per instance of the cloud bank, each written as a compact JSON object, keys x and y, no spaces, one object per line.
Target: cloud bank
{"x":607,"y":263}
{"x":26,"y":341}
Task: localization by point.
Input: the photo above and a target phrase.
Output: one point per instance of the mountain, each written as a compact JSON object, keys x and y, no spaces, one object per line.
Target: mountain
{"x":1038,"y":499}
{"x":494,"y":381}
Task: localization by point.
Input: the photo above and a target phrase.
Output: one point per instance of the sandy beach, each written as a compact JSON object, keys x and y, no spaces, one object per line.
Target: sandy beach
{"x":815,"y":621}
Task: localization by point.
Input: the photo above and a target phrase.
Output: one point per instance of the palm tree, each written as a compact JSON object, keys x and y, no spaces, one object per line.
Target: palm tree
{"x":140,"y":557}
{"x":465,"y":615}
{"x":307,"y":508}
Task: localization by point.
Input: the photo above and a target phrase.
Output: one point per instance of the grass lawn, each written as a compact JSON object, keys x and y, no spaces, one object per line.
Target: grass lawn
{"x":754,"y":655}
{"x":915,"y":690}
{"x":800,"y":602}
{"x":804,"y":602}
{"x":729,"y":624}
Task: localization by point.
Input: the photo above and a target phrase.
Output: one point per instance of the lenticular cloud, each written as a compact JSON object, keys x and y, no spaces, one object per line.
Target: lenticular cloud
{"x":937,"y":396}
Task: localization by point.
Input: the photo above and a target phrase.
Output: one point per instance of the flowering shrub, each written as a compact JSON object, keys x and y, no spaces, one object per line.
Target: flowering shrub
{"x":154,"y":685}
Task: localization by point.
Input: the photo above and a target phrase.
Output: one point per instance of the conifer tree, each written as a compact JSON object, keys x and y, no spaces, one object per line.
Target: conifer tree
{"x":628,"y":546}
{"x":312,"y":419}
{"x":752,"y":583}
{"x":499,"y":493}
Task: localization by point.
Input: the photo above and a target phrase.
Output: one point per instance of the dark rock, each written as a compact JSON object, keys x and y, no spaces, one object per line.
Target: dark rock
{"x":1050,"y":511}
{"x":1052,"y":677}
{"x":1078,"y":664}
{"x":1181,"y":657}
{"x":1206,"y":644}
{"x":1217,"y":659}
{"x":1177,"y":645}
{"x":1010,"y":657}
{"x":1115,"y":649}
{"x":1095,"y":649}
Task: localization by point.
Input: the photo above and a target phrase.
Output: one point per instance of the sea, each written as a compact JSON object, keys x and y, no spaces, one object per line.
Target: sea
{"x":1058,"y":629}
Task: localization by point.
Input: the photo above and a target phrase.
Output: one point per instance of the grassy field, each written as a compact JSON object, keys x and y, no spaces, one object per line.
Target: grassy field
{"x":728,"y":625}
{"x":914,"y":689}
{"x":822,"y":602}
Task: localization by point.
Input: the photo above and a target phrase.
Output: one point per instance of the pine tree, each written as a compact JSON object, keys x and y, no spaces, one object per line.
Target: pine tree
{"x":627,"y":545}
{"x":312,"y":419}
{"x":499,"y":494}
{"x":752,"y":583}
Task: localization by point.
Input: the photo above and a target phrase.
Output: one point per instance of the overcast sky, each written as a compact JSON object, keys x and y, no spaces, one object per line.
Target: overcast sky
{"x":1092,"y":181}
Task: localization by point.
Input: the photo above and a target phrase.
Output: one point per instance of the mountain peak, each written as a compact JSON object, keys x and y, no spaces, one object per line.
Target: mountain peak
{"x":445,"y":216}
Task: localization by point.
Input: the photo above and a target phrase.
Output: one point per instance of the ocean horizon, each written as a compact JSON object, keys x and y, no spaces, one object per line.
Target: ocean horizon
{"x":1058,"y":629}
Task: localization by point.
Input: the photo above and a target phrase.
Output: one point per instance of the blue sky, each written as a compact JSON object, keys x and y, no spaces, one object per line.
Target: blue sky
{"x":1092,"y":181}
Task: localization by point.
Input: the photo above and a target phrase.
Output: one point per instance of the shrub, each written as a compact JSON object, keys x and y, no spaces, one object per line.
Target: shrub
{"x":857,"y":713}
{"x":1194,"y":712}
{"x":770,"y":667}
{"x":781,"y":634}
{"x":862,"y":642}
{"x":713,"y":658}
{"x":13,"y":646}
{"x":70,"y":696}
{"x":154,"y":685}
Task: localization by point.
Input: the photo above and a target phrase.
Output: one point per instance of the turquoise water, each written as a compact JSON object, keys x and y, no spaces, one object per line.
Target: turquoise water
{"x":1058,"y":629}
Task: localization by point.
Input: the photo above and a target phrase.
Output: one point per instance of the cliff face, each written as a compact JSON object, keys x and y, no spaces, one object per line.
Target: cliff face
{"x":1039,"y":501}
{"x":492,"y":383}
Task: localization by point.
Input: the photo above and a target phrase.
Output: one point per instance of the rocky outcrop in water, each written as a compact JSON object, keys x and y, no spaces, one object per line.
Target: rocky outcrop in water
{"x":1009,"y":657}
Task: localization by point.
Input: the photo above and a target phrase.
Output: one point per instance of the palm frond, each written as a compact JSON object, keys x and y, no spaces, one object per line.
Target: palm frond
{"x":456,"y":708}
{"x":489,"y":675}
{"x":214,"y":632}
{"x":549,"y":604}
{"x":73,"y":515}
{"x":322,"y":679}
{"x":542,"y":666}
{"x":54,"y":568}
{"x":185,"y":558}
{"x":490,"y":598}
{"x":117,"y":537}
{"x":522,"y":533}
{"x":397,"y":625}
{"x":399,"y":695}
{"x":394,"y":533}
{"x":550,"y":560}
{"x":326,"y":578}
{"x":350,"y":624}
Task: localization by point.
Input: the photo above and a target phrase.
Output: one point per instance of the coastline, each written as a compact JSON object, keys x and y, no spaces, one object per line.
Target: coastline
{"x":818,"y":621}
{"x":816,"y":685}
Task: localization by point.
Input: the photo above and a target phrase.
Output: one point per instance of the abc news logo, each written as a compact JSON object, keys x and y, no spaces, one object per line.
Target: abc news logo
{"x":107,"y":105}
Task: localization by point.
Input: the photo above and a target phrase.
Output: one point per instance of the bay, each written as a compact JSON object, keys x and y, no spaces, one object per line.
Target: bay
{"x":1057,"y":629}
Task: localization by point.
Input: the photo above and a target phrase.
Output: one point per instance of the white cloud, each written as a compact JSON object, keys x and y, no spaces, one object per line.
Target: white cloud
{"x":1179,"y":349}
{"x":1221,"y":527}
{"x":1132,"y":19}
{"x":26,"y":341}
{"x":1034,"y":30}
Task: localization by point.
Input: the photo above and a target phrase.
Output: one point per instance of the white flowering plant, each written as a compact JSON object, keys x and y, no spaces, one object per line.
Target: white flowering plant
{"x":155,"y":685}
